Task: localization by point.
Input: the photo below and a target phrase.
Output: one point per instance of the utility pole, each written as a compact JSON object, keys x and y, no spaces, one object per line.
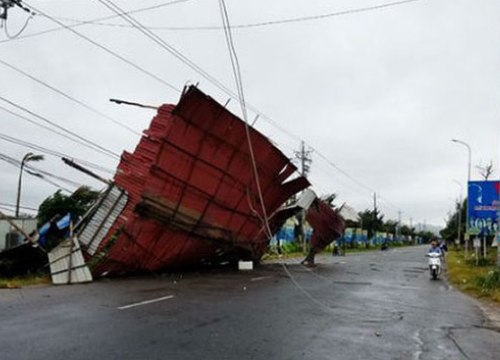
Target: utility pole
{"x":304,"y":157}
{"x":398,"y":228}
{"x":412,"y":233}
{"x":459,"y":230}
{"x":5,"y":5}
{"x":305,"y":160}
{"x":373,"y":230}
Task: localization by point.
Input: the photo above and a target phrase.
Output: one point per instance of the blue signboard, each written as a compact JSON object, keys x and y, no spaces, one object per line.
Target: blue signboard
{"x":483,"y":207}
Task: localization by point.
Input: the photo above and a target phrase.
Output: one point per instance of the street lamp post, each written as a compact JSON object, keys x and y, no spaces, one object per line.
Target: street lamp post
{"x":28,"y":157}
{"x":467,"y":203}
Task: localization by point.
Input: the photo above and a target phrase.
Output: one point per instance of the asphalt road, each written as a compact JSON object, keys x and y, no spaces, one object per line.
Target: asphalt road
{"x":378,"y":305}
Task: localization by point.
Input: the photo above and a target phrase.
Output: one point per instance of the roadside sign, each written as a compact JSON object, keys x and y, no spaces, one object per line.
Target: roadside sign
{"x":483,"y":206}
{"x":476,"y":242}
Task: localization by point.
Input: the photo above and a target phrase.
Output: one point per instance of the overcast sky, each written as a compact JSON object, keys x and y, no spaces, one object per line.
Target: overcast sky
{"x":378,"y":93}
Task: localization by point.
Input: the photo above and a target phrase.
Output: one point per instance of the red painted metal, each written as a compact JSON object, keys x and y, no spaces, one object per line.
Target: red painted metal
{"x":327,"y":225}
{"x":192,"y":194}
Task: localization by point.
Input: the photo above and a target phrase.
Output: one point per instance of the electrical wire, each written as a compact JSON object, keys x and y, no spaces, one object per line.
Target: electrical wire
{"x":81,"y":23}
{"x":33,"y":172}
{"x":125,"y":15}
{"x":16,"y":35}
{"x":6,"y":205}
{"x":177,"y":54}
{"x":69,"y":97}
{"x":109,"y":51}
{"x":55,"y":153}
{"x":50,"y":130}
{"x":253,"y":25}
{"x":241,"y":94}
{"x":37,"y":172}
{"x":68,"y":133}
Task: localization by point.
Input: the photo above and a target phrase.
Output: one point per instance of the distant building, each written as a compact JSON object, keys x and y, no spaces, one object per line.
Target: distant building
{"x":9,"y":237}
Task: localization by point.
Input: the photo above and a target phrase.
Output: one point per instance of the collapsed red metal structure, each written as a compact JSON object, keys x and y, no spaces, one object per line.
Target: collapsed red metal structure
{"x":187,"y":193}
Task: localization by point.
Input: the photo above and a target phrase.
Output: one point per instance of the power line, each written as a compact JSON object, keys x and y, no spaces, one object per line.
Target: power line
{"x":191,"y":64}
{"x":33,"y":172}
{"x":36,"y":171}
{"x":176,"y":53}
{"x":81,"y":23}
{"x":136,"y":24}
{"x":33,"y":122}
{"x":89,"y":143}
{"x":6,"y":205}
{"x":69,"y":97}
{"x":106,"y":49}
{"x":253,"y":25}
{"x":47,"y":151}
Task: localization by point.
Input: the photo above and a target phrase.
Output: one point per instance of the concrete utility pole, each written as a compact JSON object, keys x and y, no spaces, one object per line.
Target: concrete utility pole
{"x":304,"y":157}
{"x":374,"y":217}
{"x":398,"y":228}
{"x":469,"y":151}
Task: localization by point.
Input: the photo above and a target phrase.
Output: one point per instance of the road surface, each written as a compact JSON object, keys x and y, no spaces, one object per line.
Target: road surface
{"x":376,"y":305}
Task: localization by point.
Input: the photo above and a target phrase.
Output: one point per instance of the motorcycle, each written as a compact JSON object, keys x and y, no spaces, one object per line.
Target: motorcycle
{"x":434,"y":265}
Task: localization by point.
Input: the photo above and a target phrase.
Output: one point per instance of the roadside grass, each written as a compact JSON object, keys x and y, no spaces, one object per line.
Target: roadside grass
{"x":19,"y":282}
{"x":482,"y":281}
{"x":293,"y":251}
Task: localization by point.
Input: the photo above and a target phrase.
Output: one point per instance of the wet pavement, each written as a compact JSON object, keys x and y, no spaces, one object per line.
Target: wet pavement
{"x":376,"y":305}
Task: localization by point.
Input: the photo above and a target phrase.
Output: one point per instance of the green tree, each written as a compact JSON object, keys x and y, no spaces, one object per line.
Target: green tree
{"x":59,"y":204}
{"x":407,"y":231}
{"x":426,"y":235}
{"x":390,"y":226}
{"x":372,"y":220}
{"x":450,"y":232}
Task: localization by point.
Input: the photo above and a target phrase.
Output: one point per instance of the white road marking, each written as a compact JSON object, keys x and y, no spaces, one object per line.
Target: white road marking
{"x":260,"y":278}
{"x":146,"y":302}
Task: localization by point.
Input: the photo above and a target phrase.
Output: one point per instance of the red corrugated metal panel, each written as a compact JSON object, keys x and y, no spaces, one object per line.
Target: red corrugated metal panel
{"x":191,"y":189}
{"x":327,"y":224}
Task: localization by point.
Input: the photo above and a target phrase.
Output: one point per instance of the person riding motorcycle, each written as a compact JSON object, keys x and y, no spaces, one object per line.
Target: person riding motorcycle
{"x":435,"y":255}
{"x":435,"y":248}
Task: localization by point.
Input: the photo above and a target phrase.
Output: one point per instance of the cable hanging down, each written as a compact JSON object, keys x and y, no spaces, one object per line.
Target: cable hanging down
{"x":241,"y":94}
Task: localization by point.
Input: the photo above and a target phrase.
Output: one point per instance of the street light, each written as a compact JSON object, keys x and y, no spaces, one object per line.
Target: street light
{"x":467,"y":203}
{"x":27,"y":158}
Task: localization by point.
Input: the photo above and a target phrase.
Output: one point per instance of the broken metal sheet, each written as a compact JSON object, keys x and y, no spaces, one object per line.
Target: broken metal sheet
{"x":106,"y":214}
{"x":328,"y":225}
{"x":191,"y":192}
{"x":306,"y":199}
{"x":67,"y":265}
